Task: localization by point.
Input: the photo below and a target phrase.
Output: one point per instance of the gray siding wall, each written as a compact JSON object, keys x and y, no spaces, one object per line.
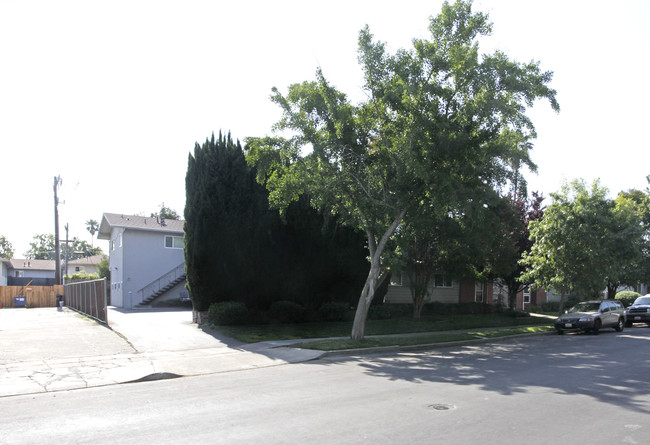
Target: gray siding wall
{"x":116,"y":265}
{"x":145,"y":259}
{"x":39,"y":273}
{"x":402,"y":294}
{"x":3,"y":274}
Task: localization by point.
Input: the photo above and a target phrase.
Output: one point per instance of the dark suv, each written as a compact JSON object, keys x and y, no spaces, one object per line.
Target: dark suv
{"x":638,"y":312}
{"x":591,"y":316}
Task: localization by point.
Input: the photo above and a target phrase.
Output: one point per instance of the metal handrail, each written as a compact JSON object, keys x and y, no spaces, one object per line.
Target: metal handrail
{"x":161,"y":282}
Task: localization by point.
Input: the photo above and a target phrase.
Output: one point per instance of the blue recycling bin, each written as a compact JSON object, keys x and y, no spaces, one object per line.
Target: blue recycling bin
{"x":20,"y":301}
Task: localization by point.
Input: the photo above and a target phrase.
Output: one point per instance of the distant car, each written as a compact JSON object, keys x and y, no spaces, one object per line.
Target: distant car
{"x":591,"y":316}
{"x":638,"y":312}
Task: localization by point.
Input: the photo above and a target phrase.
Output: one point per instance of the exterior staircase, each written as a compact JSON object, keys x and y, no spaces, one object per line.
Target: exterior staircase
{"x":158,"y":287}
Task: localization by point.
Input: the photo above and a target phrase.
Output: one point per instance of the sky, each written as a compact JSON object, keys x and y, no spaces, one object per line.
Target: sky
{"x":112,"y":96}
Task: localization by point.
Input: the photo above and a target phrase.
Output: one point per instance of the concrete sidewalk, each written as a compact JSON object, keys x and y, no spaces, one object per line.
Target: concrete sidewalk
{"x":44,"y":350}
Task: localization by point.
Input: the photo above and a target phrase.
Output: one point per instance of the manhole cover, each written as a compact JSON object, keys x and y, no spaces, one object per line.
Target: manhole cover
{"x":441,"y":406}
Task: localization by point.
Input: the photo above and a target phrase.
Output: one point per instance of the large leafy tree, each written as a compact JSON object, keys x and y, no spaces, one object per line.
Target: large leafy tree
{"x":6,"y":248}
{"x":439,"y":118}
{"x":42,"y":248}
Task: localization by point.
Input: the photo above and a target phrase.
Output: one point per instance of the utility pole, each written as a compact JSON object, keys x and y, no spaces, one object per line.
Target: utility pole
{"x":57,"y":249}
{"x":67,"y":251}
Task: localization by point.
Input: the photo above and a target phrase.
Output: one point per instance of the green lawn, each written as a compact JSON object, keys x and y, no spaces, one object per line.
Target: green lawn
{"x":258,"y":333}
{"x":419,"y":339}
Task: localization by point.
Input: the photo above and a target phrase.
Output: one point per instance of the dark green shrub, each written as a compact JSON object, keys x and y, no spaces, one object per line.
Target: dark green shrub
{"x":475,"y":308}
{"x":627,"y":297}
{"x":551,"y":306}
{"x":287,"y":312}
{"x":515,"y":313}
{"x":228,"y":313}
{"x":383,"y":312}
{"x":333,"y":311}
{"x":438,"y":308}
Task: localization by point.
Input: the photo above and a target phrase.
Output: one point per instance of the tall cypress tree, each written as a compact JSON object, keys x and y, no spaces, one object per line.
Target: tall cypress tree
{"x":239,"y":249}
{"x":223,"y":211}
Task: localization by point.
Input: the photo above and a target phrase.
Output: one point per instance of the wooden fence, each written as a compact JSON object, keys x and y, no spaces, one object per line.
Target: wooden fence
{"x":35,"y":296}
{"x":88,"y":297}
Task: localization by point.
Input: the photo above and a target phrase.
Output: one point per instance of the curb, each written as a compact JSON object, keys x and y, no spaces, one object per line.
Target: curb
{"x":425,"y":346}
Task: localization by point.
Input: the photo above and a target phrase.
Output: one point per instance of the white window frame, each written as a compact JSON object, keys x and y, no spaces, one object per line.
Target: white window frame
{"x":526,"y":295}
{"x":445,"y":281}
{"x":175,"y":240}
{"x":479,"y":292}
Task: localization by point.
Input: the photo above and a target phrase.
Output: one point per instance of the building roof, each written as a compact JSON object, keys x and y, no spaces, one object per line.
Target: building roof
{"x":111,"y":220}
{"x":87,"y":261}
{"x":22,"y":264}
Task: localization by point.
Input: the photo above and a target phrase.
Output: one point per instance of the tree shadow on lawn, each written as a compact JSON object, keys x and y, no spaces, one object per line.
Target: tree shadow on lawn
{"x":563,"y":364}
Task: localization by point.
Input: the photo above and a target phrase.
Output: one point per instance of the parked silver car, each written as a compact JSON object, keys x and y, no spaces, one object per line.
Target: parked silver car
{"x":638,"y":312}
{"x":591,"y":316}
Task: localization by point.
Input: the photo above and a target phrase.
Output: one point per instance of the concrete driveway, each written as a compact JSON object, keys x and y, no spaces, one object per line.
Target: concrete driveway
{"x":49,"y":349}
{"x":157,"y":330}
{"x":45,"y":333}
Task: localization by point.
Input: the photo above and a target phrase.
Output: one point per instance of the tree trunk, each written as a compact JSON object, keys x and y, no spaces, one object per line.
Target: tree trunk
{"x":374,"y":277}
{"x":562,"y":298}
{"x":611,"y":291}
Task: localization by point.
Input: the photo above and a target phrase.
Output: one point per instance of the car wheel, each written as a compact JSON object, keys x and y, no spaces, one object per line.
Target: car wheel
{"x":560,"y":332}
{"x":597,"y":325}
{"x":620,"y":325}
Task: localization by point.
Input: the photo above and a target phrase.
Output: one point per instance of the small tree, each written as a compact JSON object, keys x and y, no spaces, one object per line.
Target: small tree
{"x":515,"y":242}
{"x":93,"y":227}
{"x":570,"y":243}
{"x":166,"y":213}
{"x":103,"y":269}
{"x":6,"y":249}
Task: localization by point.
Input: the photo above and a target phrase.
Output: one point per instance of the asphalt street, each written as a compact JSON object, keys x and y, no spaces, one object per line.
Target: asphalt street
{"x":533,"y":390}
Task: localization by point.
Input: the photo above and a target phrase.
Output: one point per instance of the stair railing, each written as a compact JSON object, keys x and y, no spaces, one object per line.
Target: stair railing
{"x":159,"y":283}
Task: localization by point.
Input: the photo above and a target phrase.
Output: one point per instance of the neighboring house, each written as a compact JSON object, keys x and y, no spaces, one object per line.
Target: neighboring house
{"x":4,"y":271}
{"x":20,"y":272}
{"x":146,"y":258}
{"x":444,"y":289}
{"x":89,"y":264}
{"x":35,"y":272}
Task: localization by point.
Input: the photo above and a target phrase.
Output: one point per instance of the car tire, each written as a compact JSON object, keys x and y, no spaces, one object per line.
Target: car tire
{"x":560,"y":332}
{"x":597,"y":325}
{"x":620,"y":325}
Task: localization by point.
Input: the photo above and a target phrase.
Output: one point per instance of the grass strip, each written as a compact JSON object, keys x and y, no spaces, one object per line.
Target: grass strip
{"x":412,"y":340}
{"x":297,"y":331}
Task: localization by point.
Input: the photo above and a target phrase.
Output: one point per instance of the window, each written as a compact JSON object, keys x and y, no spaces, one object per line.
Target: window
{"x":396,"y":279}
{"x":442,"y":280}
{"x":527,"y":295}
{"x":19,"y":274}
{"x":112,"y":244}
{"x":77,"y":269}
{"x":174,"y":242}
{"x":478,"y":292}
